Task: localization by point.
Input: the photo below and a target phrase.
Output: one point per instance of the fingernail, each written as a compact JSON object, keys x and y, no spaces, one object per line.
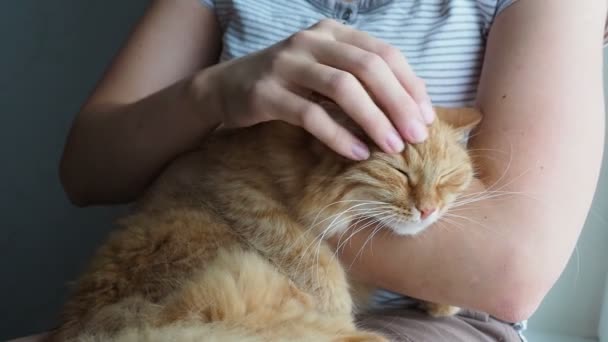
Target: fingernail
{"x":360,"y":151}
{"x":428,"y":114}
{"x":395,"y":142}
{"x":417,"y":132}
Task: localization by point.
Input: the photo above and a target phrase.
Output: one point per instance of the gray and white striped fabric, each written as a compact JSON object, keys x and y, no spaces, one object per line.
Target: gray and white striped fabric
{"x":443,"y":40}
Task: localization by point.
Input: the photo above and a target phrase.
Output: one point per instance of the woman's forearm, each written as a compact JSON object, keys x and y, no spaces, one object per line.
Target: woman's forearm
{"x":464,"y":261}
{"x":114,"y":151}
{"x":541,"y":141}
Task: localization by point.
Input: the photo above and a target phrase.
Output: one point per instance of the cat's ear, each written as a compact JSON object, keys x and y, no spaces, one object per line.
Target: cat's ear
{"x":464,"y":120}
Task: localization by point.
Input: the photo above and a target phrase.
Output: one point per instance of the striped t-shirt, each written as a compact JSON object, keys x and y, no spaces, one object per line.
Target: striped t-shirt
{"x":443,"y":40}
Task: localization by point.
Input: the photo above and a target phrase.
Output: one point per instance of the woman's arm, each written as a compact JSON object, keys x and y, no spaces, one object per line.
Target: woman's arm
{"x":156,"y":103}
{"x":123,"y":135}
{"x":542,"y":95}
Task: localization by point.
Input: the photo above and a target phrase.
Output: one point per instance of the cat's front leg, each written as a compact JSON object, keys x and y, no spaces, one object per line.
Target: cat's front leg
{"x":439,"y":310}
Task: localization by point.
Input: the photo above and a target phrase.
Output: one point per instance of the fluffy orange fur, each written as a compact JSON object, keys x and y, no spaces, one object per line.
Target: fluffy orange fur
{"x":228,"y":244}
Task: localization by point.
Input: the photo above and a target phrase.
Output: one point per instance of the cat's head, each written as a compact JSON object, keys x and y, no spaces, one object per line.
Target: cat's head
{"x":405,"y":192}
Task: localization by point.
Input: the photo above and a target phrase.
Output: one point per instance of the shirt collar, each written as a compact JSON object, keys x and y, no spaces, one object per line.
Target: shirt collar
{"x":362,"y":5}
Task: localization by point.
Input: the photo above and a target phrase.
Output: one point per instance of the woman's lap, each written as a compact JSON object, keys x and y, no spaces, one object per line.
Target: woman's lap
{"x":411,"y":325}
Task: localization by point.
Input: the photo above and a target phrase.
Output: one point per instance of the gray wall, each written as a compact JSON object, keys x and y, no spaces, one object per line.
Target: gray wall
{"x":52,"y":54}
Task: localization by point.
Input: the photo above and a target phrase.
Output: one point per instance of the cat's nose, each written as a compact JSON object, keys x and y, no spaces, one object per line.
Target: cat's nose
{"x":426,"y":212}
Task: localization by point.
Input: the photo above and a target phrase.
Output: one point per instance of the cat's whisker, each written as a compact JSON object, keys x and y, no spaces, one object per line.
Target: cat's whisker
{"x":344,"y":201}
{"x":321,"y":236}
{"x":361,"y":203}
{"x":353,"y":233}
{"x":396,"y":219}
{"x":365,"y":215}
{"x":330,"y":227}
{"x":441,"y":224}
{"x":335,"y":216}
{"x":507,"y":168}
{"x":315,"y":224}
{"x":371,"y":239}
{"x":485,"y":195}
{"x":320,"y":239}
{"x":511,"y":181}
{"x":486,"y":150}
{"x":488,"y":191}
{"x":381,"y":226}
{"x":357,"y":216}
{"x":478,"y":199}
{"x":451,"y":222}
{"x":386,"y":222}
{"x":354,"y":223}
{"x":460,"y":209}
{"x":465,"y":218}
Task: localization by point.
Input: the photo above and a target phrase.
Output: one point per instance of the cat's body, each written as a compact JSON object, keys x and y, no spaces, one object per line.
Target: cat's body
{"x":227,"y":244}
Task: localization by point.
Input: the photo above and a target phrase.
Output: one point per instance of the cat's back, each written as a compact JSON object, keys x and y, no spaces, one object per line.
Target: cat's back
{"x":255,"y":156}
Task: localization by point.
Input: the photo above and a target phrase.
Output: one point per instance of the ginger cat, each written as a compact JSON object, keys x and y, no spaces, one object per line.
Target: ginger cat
{"x":227,"y":245}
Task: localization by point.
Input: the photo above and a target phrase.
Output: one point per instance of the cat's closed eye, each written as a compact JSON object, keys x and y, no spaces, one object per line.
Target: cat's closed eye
{"x":451,"y":177}
{"x":403,"y":172}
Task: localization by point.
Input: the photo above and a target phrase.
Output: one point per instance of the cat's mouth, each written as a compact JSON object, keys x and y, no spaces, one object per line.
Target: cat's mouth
{"x":407,"y":225}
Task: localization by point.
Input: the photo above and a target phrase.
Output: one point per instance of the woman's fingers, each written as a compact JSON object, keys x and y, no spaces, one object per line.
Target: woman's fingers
{"x":344,"y":89}
{"x":381,"y":82}
{"x":371,"y":82}
{"x":392,"y":56}
{"x":284,"y":105}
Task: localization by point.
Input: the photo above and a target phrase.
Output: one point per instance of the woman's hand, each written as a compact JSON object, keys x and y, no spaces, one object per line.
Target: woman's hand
{"x":369,"y":79}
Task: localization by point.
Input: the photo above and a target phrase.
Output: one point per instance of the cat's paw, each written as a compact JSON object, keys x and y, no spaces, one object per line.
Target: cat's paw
{"x":440,"y":310}
{"x":361,"y":337}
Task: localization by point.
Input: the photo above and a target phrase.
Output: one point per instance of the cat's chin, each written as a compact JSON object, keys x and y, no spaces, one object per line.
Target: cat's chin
{"x":409,"y":228}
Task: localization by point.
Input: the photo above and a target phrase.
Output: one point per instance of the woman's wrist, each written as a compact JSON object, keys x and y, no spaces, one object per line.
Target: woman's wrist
{"x":203,"y":99}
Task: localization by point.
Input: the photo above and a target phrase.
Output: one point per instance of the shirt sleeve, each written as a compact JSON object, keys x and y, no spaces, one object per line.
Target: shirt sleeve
{"x":501,"y":5}
{"x":489,"y":9}
{"x":208,"y":3}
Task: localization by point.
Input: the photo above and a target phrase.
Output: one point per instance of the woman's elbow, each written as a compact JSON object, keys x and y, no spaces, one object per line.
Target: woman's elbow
{"x":517,"y":290}
{"x":72,"y":184}
{"x":515,"y":305}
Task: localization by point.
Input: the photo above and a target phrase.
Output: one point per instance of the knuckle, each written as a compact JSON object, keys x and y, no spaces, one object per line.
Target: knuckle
{"x":326,"y":24}
{"x":309,"y":116}
{"x":419,"y":86}
{"x":341,"y":83}
{"x":300,"y":38}
{"x":278,"y":59}
{"x":334,"y":136}
{"x":369,"y":62}
{"x":256,"y":95}
{"x":388,"y":52}
{"x":410,"y":108}
{"x":419,"y":83}
{"x":373,"y":123}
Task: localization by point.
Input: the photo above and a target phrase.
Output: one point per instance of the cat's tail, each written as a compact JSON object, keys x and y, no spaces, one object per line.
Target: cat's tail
{"x":239,"y":297}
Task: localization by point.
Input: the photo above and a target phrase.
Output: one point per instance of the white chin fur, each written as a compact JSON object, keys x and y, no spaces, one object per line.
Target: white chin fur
{"x":410,"y":228}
